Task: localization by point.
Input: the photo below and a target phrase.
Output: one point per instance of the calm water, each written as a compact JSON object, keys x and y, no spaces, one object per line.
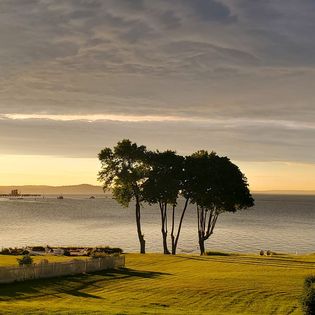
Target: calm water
{"x":278,"y":223}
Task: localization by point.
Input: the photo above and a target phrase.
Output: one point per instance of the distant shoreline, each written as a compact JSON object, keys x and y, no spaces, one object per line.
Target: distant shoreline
{"x":87,"y":189}
{"x":286,"y":192}
{"x":83,"y":189}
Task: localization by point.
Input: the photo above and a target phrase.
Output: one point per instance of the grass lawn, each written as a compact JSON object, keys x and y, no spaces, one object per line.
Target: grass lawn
{"x":10,"y":260}
{"x":159,"y":284}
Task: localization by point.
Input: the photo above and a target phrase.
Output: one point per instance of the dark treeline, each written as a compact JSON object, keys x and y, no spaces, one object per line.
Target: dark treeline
{"x":212,"y":184}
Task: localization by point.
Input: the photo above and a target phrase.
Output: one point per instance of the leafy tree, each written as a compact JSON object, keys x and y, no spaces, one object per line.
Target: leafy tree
{"x":123,"y":171}
{"x":215,"y":185}
{"x":308,"y":298}
{"x":163,"y":187}
{"x":25,"y":260}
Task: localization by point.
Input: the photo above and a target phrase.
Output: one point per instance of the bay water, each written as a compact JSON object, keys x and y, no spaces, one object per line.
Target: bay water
{"x":281,"y":223}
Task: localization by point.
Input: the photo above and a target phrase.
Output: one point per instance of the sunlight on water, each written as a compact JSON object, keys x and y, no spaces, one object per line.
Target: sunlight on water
{"x":278,"y":223}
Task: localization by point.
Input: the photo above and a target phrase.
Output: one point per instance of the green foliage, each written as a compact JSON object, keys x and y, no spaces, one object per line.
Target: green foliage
{"x":14,"y":251}
{"x":124,"y":169}
{"x":96,"y":254}
{"x":66,"y":252}
{"x":165,"y":177}
{"x":25,"y":260}
{"x":308,"y":298}
{"x":105,"y":251}
{"x":215,"y":182}
{"x":197,"y":176}
{"x":215,"y":185}
{"x":309,"y":281}
{"x":5,"y":251}
{"x":163,"y":187}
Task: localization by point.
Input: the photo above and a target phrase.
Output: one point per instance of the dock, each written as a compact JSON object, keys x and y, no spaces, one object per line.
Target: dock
{"x":16,"y":194}
{"x":20,"y":195}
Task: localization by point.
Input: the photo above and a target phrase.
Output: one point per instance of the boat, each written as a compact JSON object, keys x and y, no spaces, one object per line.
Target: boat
{"x":60,"y":197}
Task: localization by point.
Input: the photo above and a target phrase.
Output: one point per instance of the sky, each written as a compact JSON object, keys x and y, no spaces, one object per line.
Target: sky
{"x":233,"y":76}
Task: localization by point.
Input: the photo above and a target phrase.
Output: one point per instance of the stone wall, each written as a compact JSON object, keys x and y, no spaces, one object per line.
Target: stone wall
{"x":49,"y":270}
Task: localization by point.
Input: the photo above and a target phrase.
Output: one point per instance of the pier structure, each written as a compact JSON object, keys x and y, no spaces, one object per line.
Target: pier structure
{"x":15,"y":194}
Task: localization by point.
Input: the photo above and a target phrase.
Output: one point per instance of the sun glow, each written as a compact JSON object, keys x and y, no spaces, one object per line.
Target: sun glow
{"x":226,"y":122}
{"x":50,"y":170}
{"x":92,"y":118}
{"x":47,"y":170}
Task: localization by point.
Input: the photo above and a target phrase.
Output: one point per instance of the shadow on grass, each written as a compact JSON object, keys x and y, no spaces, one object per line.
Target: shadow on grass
{"x":71,"y":285}
{"x":215,"y":253}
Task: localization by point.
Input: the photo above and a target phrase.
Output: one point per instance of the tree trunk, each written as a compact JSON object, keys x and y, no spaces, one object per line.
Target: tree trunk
{"x":172,"y":232}
{"x":165,"y":248}
{"x":138,"y":221}
{"x":174,"y":245}
{"x":163,"y":209}
{"x":201,"y":215}
{"x":175,"y":240}
{"x":202,"y":245}
{"x":206,"y":217}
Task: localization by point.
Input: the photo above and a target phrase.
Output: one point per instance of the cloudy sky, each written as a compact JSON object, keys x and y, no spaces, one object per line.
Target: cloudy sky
{"x":233,"y":76}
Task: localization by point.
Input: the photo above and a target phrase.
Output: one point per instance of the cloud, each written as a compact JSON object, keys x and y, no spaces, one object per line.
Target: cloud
{"x":169,"y":20}
{"x":132,"y":4}
{"x":202,"y":60}
{"x":211,"y":10}
{"x":243,"y":140}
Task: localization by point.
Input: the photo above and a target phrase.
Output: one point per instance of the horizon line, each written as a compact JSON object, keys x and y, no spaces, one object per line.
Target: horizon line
{"x":100,"y":186}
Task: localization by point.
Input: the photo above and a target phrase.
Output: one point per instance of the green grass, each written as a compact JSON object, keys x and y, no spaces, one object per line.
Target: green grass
{"x":158,"y":284}
{"x":10,"y":260}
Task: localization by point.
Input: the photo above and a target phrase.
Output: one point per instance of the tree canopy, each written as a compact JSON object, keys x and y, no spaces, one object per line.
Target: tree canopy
{"x":124,"y":170}
{"x":210,"y":182}
{"x":163,"y":187}
{"x":215,"y":185}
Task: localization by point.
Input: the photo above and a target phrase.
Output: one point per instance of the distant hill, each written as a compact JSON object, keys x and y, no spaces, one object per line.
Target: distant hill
{"x":83,"y":189}
{"x":86,"y":189}
{"x":286,"y":192}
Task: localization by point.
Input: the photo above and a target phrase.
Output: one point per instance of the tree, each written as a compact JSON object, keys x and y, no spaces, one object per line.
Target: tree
{"x":163,"y":187}
{"x":215,"y":185}
{"x":123,"y":171}
{"x":308,"y":297}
